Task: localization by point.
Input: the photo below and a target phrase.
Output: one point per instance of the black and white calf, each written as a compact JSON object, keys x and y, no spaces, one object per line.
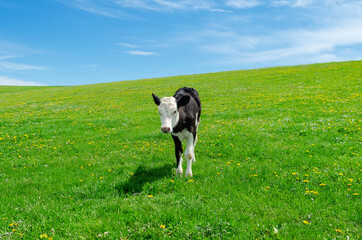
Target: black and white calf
{"x":180,"y":116}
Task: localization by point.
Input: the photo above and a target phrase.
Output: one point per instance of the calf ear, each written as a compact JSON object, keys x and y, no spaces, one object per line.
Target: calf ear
{"x":183,"y":101}
{"x":156,"y":99}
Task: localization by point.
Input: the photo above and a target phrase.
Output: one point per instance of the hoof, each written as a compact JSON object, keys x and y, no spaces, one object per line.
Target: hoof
{"x":188,"y":174}
{"x":179,"y":172}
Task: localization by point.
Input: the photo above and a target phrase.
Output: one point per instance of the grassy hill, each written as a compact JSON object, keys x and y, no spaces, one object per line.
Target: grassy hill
{"x":278,"y":157}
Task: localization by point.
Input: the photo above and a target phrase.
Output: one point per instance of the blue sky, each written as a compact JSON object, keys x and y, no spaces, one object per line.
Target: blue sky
{"x":76,"y":42}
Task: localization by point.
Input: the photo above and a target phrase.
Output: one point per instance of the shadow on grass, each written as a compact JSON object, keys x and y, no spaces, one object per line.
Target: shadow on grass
{"x":143,"y":175}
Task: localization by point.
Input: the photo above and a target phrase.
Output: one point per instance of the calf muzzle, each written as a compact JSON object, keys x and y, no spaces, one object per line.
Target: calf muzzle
{"x":165,"y":129}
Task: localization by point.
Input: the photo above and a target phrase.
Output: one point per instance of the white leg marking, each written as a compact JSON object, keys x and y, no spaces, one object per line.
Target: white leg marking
{"x":189,"y":154}
{"x":179,"y":170}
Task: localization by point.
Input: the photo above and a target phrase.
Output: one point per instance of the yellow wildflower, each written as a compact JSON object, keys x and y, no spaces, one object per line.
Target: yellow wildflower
{"x":305,"y":222}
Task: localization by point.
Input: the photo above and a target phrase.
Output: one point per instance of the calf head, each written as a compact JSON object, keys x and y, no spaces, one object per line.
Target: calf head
{"x":168,"y":108}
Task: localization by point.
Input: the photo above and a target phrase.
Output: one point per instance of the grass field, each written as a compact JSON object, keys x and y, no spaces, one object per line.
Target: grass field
{"x":278,"y":157}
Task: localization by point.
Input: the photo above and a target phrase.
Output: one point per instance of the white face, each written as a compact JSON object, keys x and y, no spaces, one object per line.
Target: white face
{"x":168,"y":113}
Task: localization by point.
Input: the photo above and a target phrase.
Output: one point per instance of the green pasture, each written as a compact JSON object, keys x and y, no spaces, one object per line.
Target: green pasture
{"x":278,"y":157}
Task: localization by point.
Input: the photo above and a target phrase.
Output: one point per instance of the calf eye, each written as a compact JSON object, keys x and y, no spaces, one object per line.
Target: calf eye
{"x":174,"y":112}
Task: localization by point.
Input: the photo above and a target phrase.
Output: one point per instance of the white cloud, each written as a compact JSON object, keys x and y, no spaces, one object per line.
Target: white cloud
{"x":293,"y":3}
{"x":6,"y":57}
{"x":143,"y":53}
{"x":108,"y":9}
{"x":5,"y":81}
{"x":243,"y":3}
{"x":333,"y":43}
{"x":127,"y":45}
{"x":16,"y":66}
{"x":118,"y":8}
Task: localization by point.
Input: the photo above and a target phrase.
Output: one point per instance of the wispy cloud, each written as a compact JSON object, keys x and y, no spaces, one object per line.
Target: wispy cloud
{"x":16,"y":66}
{"x":316,"y":45}
{"x":293,"y":3}
{"x":142,"y":53}
{"x":104,"y":8}
{"x":118,"y":8}
{"x":5,"y":81}
{"x":243,"y":3}
{"x":127,"y":45}
{"x":11,"y":52}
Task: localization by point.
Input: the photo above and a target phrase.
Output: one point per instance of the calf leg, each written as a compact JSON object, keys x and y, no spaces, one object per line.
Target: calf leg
{"x":189,"y":154}
{"x":195,"y":140}
{"x":178,"y":153}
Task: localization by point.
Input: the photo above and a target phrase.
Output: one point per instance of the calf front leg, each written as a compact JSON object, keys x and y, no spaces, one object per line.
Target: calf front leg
{"x":190,"y":155}
{"x":178,"y":154}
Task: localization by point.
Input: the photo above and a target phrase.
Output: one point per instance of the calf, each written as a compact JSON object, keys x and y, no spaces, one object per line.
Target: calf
{"x":180,"y":116}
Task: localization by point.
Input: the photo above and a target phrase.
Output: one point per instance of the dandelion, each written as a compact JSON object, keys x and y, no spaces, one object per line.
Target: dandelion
{"x":191,"y":180}
{"x":341,"y":174}
{"x":162,"y":226}
{"x":322,"y":184}
{"x":149,"y":196}
{"x":294,"y":173}
{"x":305,"y":222}
{"x":305,"y":181}
{"x":355,"y":194}
{"x":338,"y":230}
{"x":100,"y":178}
{"x":81,"y":180}
{"x":172,"y":181}
{"x":351,"y":180}
{"x":218,"y":173}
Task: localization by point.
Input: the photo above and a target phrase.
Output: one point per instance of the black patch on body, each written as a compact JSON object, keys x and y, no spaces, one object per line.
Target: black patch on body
{"x":187,"y":113}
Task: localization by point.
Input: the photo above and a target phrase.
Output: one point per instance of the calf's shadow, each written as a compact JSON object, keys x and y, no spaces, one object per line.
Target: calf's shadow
{"x":143,"y":175}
